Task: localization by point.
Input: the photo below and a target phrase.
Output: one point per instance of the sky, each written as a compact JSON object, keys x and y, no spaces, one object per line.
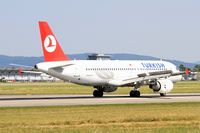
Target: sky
{"x":167,"y":29}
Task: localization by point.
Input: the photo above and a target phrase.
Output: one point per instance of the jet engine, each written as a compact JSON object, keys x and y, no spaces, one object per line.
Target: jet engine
{"x":162,"y":86}
{"x":109,"y":88}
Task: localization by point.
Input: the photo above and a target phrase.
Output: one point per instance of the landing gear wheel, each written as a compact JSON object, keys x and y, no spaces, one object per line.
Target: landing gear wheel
{"x":137,"y":93}
{"x":162,"y":94}
{"x":97,"y":93}
{"x":134,"y":93}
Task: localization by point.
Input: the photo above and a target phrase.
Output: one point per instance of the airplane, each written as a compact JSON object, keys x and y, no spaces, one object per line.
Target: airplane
{"x":105,"y":75}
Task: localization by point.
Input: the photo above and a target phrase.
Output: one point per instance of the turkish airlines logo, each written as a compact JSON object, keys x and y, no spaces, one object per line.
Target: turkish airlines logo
{"x":50,"y":43}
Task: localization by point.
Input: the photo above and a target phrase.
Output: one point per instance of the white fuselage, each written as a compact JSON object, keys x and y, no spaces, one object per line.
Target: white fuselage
{"x":100,"y":72}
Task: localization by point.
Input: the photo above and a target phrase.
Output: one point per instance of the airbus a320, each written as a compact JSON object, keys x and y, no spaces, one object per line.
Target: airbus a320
{"x":105,"y":75}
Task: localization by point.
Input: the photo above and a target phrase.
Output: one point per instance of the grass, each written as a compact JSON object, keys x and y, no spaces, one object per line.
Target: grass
{"x":138,"y":118}
{"x":68,"y":88}
{"x":187,"y":87}
{"x":131,"y":118}
{"x":43,"y":88}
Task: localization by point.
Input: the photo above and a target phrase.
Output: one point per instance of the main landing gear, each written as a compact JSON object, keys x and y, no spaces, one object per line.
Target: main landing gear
{"x":98,"y":92}
{"x":135,"y":92}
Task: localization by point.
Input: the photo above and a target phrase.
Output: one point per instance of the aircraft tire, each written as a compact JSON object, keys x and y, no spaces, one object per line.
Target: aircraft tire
{"x":97,"y":93}
{"x":162,"y":94}
{"x":134,"y":93}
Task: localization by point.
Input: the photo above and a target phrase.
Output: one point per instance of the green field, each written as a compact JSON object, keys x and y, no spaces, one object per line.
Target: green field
{"x":138,"y":118}
{"x":68,"y":88}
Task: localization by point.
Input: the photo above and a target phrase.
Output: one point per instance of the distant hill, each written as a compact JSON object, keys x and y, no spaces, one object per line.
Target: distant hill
{"x":31,"y":61}
{"x":198,"y":62}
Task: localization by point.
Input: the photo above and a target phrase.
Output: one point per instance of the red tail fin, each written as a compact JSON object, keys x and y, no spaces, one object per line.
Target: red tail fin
{"x":51,"y":48}
{"x":20,"y":70}
{"x":187,"y":71}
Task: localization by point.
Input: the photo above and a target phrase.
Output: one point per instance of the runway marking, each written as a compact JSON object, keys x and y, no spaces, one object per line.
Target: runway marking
{"x":53,"y":100}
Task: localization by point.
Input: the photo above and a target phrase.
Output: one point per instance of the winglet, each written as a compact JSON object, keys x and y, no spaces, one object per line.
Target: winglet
{"x":51,"y":47}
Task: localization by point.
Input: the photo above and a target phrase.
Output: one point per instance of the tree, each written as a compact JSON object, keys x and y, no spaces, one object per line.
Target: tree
{"x":182,"y":67}
{"x":196,"y":68}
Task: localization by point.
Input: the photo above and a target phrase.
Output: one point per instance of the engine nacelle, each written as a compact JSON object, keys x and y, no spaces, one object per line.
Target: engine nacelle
{"x":162,"y":86}
{"x":109,"y":88}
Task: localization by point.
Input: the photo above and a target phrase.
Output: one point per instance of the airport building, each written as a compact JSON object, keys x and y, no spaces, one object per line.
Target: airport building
{"x":24,"y":75}
{"x":98,"y":57}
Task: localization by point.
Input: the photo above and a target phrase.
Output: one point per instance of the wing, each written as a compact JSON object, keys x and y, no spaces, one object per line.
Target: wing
{"x":144,"y":77}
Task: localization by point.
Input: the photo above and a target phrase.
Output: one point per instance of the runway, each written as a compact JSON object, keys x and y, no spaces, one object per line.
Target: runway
{"x":64,"y":100}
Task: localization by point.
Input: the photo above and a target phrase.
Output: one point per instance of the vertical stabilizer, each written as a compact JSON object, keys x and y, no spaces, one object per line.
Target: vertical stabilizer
{"x":51,"y":47}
